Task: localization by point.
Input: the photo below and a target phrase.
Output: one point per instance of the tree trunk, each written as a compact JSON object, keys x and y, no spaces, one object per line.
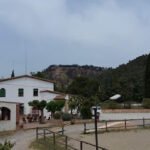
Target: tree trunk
{"x":42,"y":117}
{"x":71,"y":111}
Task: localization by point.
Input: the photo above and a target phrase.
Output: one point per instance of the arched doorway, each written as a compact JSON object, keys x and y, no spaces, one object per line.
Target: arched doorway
{"x":5,"y":113}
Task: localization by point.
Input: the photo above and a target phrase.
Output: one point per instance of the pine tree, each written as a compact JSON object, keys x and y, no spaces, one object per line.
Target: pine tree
{"x":147,"y":78}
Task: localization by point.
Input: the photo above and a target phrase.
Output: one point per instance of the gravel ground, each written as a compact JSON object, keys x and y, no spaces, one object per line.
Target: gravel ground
{"x":125,"y":140}
{"x":122,"y":140}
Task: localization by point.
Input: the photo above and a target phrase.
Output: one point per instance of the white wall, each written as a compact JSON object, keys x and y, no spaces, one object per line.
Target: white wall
{"x":6,"y":125}
{"x":28,"y":84}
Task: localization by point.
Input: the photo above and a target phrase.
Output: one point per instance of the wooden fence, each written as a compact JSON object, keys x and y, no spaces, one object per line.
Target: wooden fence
{"x":70,"y":143}
{"x":125,"y":124}
{"x":67,"y":142}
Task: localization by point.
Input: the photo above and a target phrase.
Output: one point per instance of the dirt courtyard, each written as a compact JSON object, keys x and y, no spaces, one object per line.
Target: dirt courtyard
{"x":122,"y":140}
{"x":137,"y":139}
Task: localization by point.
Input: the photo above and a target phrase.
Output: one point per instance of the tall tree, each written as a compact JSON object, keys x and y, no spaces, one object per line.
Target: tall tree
{"x":54,"y":106}
{"x":147,"y":78}
{"x":82,"y":105}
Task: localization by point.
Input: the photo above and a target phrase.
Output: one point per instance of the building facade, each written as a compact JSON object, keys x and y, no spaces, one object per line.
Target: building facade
{"x":22,"y":89}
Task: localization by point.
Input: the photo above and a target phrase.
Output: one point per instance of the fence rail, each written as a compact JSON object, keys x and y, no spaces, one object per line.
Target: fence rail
{"x":125,"y":124}
{"x":70,"y":143}
{"x":66,"y":141}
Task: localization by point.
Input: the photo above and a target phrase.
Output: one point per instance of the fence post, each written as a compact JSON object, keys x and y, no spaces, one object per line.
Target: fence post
{"x":84,"y":128}
{"x":54,"y":140}
{"x":66,"y":142}
{"x":37,"y":133}
{"x":125,"y":124}
{"x":143,"y":122}
{"x":106,"y":126}
{"x":44,"y":133}
{"x":96,"y":134}
{"x":62,"y":130}
{"x":81,"y":145}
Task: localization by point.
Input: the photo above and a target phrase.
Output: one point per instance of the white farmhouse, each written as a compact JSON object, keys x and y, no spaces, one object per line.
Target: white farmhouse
{"x":22,"y":89}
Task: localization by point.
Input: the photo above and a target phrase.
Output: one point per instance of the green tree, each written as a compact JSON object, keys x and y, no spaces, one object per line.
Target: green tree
{"x":86,"y":112}
{"x":85,"y":109}
{"x":59,"y":105}
{"x":40,"y":105}
{"x":82,"y":105}
{"x":73,"y":103}
{"x":54,"y":106}
{"x":38,"y":74}
{"x":83,"y":86}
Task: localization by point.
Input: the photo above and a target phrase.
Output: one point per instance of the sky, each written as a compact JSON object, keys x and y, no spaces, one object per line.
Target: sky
{"x":37,"y":33}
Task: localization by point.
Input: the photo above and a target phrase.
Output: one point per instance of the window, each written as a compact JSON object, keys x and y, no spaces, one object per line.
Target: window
{"x":2,"y":92}
{"x":35,"y":92}
{"x":20,"y":92}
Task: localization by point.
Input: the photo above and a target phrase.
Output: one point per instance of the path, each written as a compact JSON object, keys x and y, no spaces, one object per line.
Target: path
{"x":22,"y":138}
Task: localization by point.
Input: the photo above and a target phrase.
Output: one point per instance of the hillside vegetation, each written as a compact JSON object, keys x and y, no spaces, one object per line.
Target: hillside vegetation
{"x":126,"y":79}
{"x":65,"y":74}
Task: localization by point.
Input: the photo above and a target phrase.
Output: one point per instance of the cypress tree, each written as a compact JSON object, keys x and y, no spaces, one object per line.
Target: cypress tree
{"x":147,"y":78}
{"x":13,"y":74}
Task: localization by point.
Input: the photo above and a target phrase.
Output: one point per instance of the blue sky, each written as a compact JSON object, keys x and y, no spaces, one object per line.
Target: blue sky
{"x":94,"y":32}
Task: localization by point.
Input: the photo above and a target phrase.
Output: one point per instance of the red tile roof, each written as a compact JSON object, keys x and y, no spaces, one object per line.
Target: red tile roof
{"x":60,"y":97}
{"x":55,"y":92}
{"x":10,"y":102}
{"x":27,"y":76}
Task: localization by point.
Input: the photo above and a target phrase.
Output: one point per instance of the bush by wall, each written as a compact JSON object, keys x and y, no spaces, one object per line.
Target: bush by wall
{"x":86,"y":113}
{"x":146,"y":103}
{"x":57,"y":115}
{"x":66,"y":117}
{"x":7,"y":145}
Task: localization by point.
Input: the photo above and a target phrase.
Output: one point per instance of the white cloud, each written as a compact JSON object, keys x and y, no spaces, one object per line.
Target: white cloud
{"x":97,"y":24}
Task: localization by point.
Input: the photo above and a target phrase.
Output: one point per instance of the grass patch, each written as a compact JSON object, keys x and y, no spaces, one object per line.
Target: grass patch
{"x":46,"y":144}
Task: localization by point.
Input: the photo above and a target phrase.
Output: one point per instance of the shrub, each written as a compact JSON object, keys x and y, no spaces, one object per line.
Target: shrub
{"x":7,"y":145}
{"x":86,"y":113}
{"x":66,"y":117}
{"x":57,"y":115}
{"x":146,"y":103}
{"x":127,"y":105}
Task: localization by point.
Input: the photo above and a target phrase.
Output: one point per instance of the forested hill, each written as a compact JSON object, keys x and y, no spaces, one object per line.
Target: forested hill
{"x":127,"y":79}
{"x":65,"y":74}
